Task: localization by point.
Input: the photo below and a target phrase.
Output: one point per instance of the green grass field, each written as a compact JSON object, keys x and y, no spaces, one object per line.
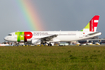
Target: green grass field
{"x":52,"y":58}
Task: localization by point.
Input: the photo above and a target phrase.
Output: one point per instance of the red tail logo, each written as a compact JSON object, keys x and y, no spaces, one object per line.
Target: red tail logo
{"x":94,"y":23}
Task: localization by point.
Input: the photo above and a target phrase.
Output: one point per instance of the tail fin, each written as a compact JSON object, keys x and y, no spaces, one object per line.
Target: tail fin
{"x":92,"y":25}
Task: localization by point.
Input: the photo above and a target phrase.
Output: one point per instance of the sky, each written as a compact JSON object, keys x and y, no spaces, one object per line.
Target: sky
{"x":49,"y":15}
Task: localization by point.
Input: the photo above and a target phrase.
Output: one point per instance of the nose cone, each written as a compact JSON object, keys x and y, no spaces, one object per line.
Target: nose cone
{"x":6,"y":38}
{"x":10,"y":38}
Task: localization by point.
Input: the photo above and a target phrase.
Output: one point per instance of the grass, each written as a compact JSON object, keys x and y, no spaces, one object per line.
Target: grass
{"x":52,"y":58}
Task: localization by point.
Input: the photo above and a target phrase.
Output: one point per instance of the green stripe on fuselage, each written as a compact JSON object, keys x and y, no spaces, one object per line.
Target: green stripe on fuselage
{"x":20,"y":36}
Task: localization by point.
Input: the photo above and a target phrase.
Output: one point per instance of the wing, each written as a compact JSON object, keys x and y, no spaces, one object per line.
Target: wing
{"x":45,"y":38}
{"x":48,"y":38}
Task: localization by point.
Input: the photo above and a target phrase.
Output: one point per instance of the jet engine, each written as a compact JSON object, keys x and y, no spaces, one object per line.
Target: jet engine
{"x":36,"y":41}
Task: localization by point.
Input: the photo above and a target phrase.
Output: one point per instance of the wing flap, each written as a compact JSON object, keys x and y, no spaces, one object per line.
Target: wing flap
{"x":47,"y":38}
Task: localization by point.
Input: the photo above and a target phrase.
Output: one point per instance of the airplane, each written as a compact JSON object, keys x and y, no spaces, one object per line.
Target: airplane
{"x":39,"y":37}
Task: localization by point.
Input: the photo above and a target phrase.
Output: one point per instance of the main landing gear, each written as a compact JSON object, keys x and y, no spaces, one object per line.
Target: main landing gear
{"x":46,"y":43}
{"x":49,"y":44}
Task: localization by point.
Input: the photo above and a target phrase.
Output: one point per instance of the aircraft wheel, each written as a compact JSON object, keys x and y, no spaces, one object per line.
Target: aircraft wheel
{"x":49,"y":44}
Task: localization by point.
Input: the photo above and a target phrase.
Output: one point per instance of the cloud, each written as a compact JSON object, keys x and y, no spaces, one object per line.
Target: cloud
{"x":55,"y":15}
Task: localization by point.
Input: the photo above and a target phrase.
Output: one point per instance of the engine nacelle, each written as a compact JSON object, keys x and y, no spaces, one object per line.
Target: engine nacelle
{"x":55,"y":40}
{"x":36,"y":41}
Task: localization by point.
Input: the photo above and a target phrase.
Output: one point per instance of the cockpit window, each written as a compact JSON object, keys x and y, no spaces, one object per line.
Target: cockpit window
{"x":9,"y":34}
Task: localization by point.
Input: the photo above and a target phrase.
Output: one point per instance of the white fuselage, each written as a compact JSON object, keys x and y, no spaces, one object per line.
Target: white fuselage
{"x":61,"y":35}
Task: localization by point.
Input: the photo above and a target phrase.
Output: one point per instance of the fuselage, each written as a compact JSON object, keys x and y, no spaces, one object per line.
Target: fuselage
{"x":61,"y":35}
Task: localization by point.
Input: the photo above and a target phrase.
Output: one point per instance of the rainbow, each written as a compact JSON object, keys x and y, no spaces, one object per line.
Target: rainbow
{"x":29,"y":15}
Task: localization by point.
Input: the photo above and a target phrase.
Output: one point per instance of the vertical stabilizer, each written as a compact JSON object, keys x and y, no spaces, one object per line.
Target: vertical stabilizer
{"x":92,"y":25}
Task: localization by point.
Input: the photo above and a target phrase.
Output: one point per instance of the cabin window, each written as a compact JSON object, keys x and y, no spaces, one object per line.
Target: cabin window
{"x":9,"y":34}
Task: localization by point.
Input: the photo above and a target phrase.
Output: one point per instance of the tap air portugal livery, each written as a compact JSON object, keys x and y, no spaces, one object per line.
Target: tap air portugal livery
{"x":38,"y":37}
